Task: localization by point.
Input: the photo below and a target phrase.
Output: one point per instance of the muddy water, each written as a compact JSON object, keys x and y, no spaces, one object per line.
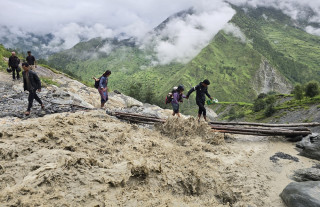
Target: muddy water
{"x":91,"y":159}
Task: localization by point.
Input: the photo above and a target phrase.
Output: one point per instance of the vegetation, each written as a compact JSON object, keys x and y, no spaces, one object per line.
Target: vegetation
{"x":298,"y":92}
{"x":312,"y":89}
{"x":230,"y":64}
{"x":49,"y":81}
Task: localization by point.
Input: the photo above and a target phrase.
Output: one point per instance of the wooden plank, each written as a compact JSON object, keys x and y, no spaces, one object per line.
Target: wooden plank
{"x":313,"y":124}
{"x":270,"y":132}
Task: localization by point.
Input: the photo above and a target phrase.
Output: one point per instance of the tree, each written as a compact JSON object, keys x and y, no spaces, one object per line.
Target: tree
{"x":269,"y":110}
{"x":258,"y":105}
{"x":298,"y":92}
{"x":312,"y":89}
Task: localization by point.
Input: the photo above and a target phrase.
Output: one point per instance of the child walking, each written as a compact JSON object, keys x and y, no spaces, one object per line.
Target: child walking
{"x":177,"y":97}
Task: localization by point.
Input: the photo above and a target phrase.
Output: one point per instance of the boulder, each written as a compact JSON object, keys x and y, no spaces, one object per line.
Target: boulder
{"x":306,"y":194}
{"x":310,"y":146}
{"x":308,"y":174}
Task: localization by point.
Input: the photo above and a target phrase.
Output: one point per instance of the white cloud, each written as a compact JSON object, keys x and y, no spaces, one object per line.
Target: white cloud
{"x":71,"y":21}
{"x":312,"y":30}
{"x":230,"y":28}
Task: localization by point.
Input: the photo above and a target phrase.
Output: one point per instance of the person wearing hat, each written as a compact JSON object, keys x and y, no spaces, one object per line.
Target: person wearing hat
{"x":31,"y":60}
{"x":14,"y":62}
{"x":201,"y":91}
{"x":177,"y":97}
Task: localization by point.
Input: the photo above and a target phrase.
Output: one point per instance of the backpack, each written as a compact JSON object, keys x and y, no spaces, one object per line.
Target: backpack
{"x":96,"y":83}
{"x":169,"y":97}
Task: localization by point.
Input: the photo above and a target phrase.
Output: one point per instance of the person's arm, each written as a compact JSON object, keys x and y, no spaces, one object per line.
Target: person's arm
{"x":191,"y":91}
{"x":35,"y":62}
{"x":208,"y":94}
{"x":37,"y":80}
{"x":9,"y":62}
{"x":101,"y":82}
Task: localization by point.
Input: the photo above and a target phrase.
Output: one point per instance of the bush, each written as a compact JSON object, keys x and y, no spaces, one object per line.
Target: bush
{"x":269,"y":110}
{"x":271,"y":99}
{"x":262,"y":95}
{"x":312,"y":89}
{"x":258,"y":105}
{"x":298,"y":92}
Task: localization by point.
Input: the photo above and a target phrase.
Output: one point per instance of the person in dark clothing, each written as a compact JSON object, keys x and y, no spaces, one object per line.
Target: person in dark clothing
{"x":103,"y":87}
{"x":31,"y":83}
{"x":201,"y":91}
{"x":31,"y":61}
{"x":14,"y":62}
{"x":177,"y":97}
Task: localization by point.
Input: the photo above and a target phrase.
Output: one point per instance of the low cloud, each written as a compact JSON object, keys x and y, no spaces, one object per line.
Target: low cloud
{"x":232,"y":29}
{"x":61,"y":25}
{"x":183,"y":38}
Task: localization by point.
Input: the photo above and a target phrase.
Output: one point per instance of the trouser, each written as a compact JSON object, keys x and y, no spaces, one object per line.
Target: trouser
{"x":33,"y":95}
{"x":202,"y":109}
{"x":14,"y":69}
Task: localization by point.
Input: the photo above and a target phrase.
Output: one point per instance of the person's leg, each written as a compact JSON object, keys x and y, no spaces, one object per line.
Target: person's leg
{"x":38,"y":99}
{"x":30,"y":100}
{"x":204,"y":112}
{"x":13,"y":73}
{"x":201,"y":109}
{"x":18,"y":75}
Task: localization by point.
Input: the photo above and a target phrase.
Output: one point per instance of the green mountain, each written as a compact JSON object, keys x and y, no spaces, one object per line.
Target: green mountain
{"x":264,"y":51}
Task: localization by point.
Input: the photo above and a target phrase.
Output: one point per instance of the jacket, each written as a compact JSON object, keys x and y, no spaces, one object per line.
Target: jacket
{"x":201,"y":91}
{"x":34,"y":81}
{"x":14,"y":61}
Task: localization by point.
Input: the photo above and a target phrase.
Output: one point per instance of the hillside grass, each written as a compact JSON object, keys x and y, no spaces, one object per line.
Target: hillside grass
{"x":229,"y":63}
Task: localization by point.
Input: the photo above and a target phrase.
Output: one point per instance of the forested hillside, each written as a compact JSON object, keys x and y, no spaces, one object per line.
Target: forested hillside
{"x":237,"y":68}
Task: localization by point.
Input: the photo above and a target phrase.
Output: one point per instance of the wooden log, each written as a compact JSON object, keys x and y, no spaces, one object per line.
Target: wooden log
{"x":138,"y":115}
{"x":270,"y":132}
{"x":313,"y":124}
{"x":140,"y":118}
{"x":265,"y":128}
{"x":238,"y":132}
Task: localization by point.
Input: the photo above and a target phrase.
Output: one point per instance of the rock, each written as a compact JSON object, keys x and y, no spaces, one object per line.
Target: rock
{"x":211,"y":114}
{"x":306,"y":194}
{"x":282,"y":155}
{"x":308,"y":174}
{"x":310,"y":146}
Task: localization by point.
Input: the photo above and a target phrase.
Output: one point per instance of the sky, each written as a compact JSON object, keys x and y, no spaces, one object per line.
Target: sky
{"x":71,"y":21}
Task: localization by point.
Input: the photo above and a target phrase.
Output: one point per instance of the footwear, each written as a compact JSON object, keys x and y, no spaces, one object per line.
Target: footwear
{"x":42,"y":107}
{"x":27,"y":113}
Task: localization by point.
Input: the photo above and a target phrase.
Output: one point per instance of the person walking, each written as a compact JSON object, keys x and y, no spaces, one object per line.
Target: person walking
{"x":103,"y":87}
{"x":14,"y":62}
{"x":201,"y":90}
{"x":31,"y":61}
{"x":177,"y":97}
{"x":31,"y":83}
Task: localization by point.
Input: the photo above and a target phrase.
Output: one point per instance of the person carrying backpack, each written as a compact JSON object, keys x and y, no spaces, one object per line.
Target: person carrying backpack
{"x":14,"y":62}
{"x":177,"y":97}
{"x":201,"y":91}
{"x":102,"y":88}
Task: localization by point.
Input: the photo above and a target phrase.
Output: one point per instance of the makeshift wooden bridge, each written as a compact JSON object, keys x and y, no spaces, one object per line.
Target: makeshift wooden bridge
{"x":247,"y":128}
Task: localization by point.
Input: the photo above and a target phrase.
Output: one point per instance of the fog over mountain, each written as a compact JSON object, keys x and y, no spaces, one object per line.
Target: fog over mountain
{"x":51,"y":26}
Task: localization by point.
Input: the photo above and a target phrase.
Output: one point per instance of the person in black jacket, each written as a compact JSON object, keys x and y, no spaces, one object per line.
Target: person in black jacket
{"x":14,"y":62}
{"x":31,"y":83}
{"x":31,"y":61}
{"x":201,"y":91}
